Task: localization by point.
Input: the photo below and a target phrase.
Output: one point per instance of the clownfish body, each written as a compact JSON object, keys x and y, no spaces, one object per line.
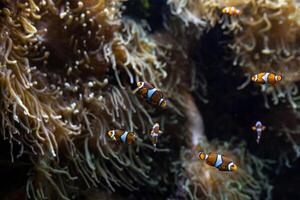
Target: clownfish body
{"x":151,"y":94}
{"x":121,"y":136}
{"x":231,"y":11}
{"x":266,"y":78}
{"x":258,"y":128}
{"x":155,"y":132}
{"x":218,"y":161}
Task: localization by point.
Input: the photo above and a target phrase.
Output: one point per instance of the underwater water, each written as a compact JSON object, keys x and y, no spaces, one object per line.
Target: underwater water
{"x":149,"y":99}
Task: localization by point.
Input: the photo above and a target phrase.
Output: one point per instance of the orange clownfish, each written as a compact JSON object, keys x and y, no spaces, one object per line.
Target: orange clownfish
{"x":151,"y":94}
{"x":266,"y":78}
{"x":219,"y":161}
{"x":231,"y":11}
{"x":121,"y":136}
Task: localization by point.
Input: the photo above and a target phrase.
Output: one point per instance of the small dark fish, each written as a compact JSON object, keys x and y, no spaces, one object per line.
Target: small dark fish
{"x":155,"y":132}
{"x":258,"y":128}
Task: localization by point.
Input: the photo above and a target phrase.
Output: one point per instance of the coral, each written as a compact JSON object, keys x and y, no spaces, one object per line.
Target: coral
{"x":67,"y":70}
{"x":193,"y":12}
{"x":58,"y":97}
{"x":202,"y":181}
{"x":197,"y":180}
{"x":264,"y":38}
{"x":131,"y":49}
{"x":268,"y":42}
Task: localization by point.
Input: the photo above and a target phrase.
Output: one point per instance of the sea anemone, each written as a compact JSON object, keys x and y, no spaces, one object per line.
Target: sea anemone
{"x":63,"y":86}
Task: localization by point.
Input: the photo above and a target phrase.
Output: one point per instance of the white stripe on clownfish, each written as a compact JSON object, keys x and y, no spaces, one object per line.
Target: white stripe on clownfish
{"x":160,"y":101}
{"x":113,"y":135}
{"x":142,"y":85}
{"x":265,"y":77}
{"x":151,"y":92}
{"x":124,"y":136}
{"x":218,"y":161}
{"x":229,"y":166}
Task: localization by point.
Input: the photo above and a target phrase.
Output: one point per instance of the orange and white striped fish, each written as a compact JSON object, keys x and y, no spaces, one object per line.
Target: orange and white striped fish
{"x":218,"y":161}
{"x":266,"y":78}
{"x":151,"y":94}
{"x":121,"y":136}
{"x":231,"y":11}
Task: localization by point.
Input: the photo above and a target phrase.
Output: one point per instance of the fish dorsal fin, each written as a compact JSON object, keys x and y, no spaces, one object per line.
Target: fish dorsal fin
{"x":198,"y":148}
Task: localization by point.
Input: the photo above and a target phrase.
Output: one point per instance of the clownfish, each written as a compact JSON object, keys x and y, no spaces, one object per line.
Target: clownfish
{"x":231,"y":11}
{"x":151,"y":94}
{"x":258,"y":128}
{"x":155,"y":132}
{"x":218,"y":161}
{"x":121,"y":136}
{"x":266,"y":78}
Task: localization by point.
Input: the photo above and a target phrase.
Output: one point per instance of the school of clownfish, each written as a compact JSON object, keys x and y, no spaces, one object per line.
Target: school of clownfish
{"x":155,"y":97}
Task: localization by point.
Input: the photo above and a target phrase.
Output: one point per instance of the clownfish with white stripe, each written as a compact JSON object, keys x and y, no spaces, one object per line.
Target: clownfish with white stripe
{"x":266,"y":78}
{"x":231,"y":11}
{"x":155,"y":132}
{"x":218,"y":161}
{"x":151,"y":94}
{"x":121,"y":136}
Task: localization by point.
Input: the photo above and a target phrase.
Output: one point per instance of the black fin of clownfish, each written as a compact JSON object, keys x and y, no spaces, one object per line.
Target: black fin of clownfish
{"x":149,"y":84}
{"x":152,"y":85}
{"x":135,"y":90}
{"x":198,"y":148}
{"x":161,"y":94}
